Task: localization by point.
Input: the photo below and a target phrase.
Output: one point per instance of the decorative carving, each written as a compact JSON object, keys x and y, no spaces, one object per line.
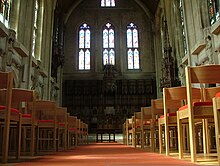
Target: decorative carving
{"x":37,"y":83}
{"x":208,"y":40}
{"x":57,"y":60}
{"x":53,"y":91}
{"x":11,"y":40}
{"x":181,"y":73}
{"x":109,"y":81}
{"x":169,"y":78}
{"x":2,"y":54}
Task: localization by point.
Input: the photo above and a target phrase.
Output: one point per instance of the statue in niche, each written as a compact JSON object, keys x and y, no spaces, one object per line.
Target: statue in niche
{"x":209,"y":58}
{"x":37,"y":86}
{"x":2,"y":54}
{"x":181,"y":73}
{"x":53,"y":92}
{"x":11,"y":40}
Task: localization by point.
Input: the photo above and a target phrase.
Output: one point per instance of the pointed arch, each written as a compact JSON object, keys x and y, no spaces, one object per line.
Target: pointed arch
{"x":108,"y":40}
{"x":133,"y":46}
{"x":84,"y":48}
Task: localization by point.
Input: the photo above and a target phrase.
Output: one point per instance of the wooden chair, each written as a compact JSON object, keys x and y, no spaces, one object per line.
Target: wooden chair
{"x":202,"y":75}
{"x":85,"y":133}
{"x":72,"y":131}
{"x":173,"y":99}
{"x":216,"y":110}
{"x":146,"y":117}
{"x":124,"y":132}
{"x":24,"y":101}
{"x":136,"y":126}
{"x":46,"y":115}
{"x":157,"y":110}
{"x":62,"y":127}
{"x":8,"y":116}
{"x":129,"y":131}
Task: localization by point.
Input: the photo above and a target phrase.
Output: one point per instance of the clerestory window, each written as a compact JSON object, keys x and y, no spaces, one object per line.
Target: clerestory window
{"x":84,"y":47}
{"x":5,"y":6}
{"x":182,"y":26}
{"x":107,"y":3}
{"x":108,"y":44}
{"x":213,"y":6}
{"x":133,"y":47}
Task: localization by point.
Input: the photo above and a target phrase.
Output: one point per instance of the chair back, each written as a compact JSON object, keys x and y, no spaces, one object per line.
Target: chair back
{"x":157,"y":108}
{"x":6,"y":83}
{"x":202,"y":75}
{"x":24,"y":100}
{"x":46,"y":110}
{"x":61,"y":115}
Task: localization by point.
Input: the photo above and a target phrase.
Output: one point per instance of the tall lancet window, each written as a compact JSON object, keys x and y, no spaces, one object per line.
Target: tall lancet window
{"x":108,"y":44}
{"x":107,"y":3}
{"x":5,"y":6}
{"x":182,"y":26}
{"x":133,"y":47}
{"x":213,"y":6}
{"x":34,"y":38}
{"x":84,"y":47}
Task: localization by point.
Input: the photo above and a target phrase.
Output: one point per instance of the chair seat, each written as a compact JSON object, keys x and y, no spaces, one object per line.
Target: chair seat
{"x":169,"y":114}
{"x":12,"y":109}
{"x":138,"y":127}
{"x":72,"y":129}
{"x":26,"y":116}
{"x":196,"y":104}
{"x":46,"y":121}
{"x":218,"y":94}
{"x":61,"y":124}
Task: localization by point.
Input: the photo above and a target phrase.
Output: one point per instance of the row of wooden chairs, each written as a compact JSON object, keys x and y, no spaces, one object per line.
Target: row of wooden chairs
{"x":29,"y":126}
{"x":181,"y":116}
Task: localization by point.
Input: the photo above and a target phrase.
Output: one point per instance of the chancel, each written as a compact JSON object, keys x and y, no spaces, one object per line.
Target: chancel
{"x":102,"y":73}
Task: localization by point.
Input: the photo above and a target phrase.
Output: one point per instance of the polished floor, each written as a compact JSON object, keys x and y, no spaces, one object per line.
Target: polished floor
{"x":110,"y":154}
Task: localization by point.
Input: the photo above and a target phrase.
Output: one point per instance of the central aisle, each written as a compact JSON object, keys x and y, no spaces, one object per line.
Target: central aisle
{"x":105,"y":154}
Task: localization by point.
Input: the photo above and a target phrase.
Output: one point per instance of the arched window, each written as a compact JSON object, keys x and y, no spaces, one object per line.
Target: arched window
{"x":108,"y":44}
{"x":84,"y":47}
{"x":36,"y":10}
{"x":5,"y":6}
{"x":213,"y":6}
{"x":182,"y":26}
{"x":107,"y":3}
{"x":133,"y":47}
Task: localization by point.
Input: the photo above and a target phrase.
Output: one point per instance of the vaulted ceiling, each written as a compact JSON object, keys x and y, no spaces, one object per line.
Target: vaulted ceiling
{"x":151,"y":5}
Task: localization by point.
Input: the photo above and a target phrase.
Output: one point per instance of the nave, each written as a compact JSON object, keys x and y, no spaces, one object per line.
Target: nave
{"x":103,"y":154}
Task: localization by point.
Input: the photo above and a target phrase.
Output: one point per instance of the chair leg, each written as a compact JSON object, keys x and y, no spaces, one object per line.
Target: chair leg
{"x":206,"y":146}
{"x":152,"y":136}
{"x":180,"y":137}
{"x":160,"y":138}
{"x":32,"y":140}
{"x":192,"y":140}
{"x":217,"y":129}
{"x":19,"y":139}
{"x":167,"y":140}
{"x":5,"y":140}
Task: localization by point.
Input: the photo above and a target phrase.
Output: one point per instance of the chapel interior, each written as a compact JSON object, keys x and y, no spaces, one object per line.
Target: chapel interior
{"x":104,"y":60}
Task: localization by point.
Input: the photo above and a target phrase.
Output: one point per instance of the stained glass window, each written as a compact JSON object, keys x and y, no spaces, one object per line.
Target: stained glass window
{"x":84,"y":47}
{"x":182,"y":26}
{"x":108,"y":44}
{"x":107,"y":3}
{"x":36,"y":11}
{"x":5,"y":6}
{"x":132,"y":47}
{"x":213,"y":6}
